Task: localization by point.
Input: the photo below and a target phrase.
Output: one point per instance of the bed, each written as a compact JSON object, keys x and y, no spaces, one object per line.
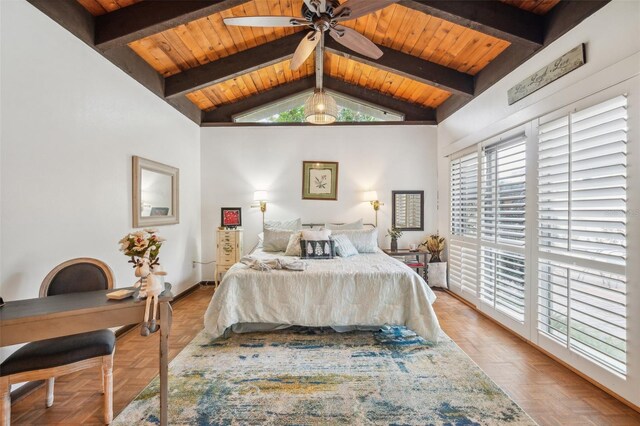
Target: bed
{"x":365,"y":290}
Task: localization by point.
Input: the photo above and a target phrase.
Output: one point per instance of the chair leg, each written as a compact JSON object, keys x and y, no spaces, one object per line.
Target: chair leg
{"x":50,"y":384}
{"x":107,"y":381}
{"x":5,"y":401}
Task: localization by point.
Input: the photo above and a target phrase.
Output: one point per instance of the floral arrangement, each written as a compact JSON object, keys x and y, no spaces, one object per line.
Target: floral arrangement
{"x":435,"y":246}
{"x":394,"y":233}
{"x":139,"y":244}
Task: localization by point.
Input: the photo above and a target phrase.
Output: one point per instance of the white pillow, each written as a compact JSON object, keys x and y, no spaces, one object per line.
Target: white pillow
{"x":260,"y":239}
{"x":276,"y":239}
{"x":291,"y":225}
{"x":344,"y":247}
{"x":364,"y":240}
{"x":320,"y":235}
{"x":353,"y":225}
{"x":293,"y":247}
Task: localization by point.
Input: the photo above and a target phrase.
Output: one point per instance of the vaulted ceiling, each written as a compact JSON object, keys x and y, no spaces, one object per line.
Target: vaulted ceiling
{"x":437,"y":56}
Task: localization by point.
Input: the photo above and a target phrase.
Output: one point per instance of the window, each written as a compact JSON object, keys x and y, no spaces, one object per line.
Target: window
{"x":540,"y":243}
{"x":464,"y":196}
{"x":502,"y":222}
{"x":463,"y":257}
{"x":582,"y":194}
{"x":290,"y":110}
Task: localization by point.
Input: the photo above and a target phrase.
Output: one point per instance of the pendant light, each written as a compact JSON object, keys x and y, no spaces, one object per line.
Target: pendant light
{"x":320,"y":108}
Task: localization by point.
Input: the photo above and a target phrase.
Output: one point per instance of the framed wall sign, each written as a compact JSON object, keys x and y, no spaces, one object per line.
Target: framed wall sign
{"x":231,"y":217}
{"x":563,"y":65}
{"x":407,"y":210}
{"x":319,"y":180}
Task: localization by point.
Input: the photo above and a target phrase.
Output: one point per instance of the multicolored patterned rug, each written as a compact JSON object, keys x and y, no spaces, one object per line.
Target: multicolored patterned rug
{"x":311,"y":377}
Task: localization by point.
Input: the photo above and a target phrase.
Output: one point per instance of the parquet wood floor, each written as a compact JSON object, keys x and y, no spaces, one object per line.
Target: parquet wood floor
{"x":549,"y":392}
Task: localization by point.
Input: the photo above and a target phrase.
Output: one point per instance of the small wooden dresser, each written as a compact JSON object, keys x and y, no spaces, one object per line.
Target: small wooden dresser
{"x":229,"y":250}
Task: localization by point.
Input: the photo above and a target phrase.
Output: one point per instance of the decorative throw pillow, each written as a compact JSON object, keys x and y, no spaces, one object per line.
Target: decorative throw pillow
{"x":317,"y":249}
{"x":276,"y":239}
{"x":364,"y":240}
{"x":310,"y":235}
{"x":344,"y":247}
{"x":293,"y":248}
{"x":353,"y":225}
{"x":291,"y":225}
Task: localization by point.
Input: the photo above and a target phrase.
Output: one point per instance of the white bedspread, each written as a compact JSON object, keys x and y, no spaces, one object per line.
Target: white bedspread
{"x":362,"y":290}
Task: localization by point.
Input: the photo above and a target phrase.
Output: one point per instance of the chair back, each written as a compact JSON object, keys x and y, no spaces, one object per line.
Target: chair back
{"x":77,"y":275}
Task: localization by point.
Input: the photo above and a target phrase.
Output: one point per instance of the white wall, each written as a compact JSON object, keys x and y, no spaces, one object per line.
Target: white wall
{"x":71,"y":122}
{"x":237,"y":161}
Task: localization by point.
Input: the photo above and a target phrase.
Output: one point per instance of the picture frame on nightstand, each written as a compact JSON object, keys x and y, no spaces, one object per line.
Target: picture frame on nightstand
{"x":231,"y":217}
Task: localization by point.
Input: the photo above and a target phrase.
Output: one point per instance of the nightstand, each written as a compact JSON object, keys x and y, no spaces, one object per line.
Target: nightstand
{"x":229,"y":251}
{"x":414,"y":259}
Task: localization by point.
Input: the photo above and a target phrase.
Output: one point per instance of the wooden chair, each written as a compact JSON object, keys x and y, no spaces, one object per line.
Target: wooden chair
{"x":46,"y":359}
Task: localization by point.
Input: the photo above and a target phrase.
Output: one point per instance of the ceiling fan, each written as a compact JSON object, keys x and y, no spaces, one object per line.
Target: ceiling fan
{"x":322,"y":16}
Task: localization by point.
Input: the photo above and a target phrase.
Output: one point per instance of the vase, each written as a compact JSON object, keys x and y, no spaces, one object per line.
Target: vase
{"x":435,"y":258}
{"x":437,"y":274}
{"x":394,"y":244}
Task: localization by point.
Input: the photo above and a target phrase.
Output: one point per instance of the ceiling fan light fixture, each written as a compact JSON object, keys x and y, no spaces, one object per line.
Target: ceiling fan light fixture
{"x":320,"y":108}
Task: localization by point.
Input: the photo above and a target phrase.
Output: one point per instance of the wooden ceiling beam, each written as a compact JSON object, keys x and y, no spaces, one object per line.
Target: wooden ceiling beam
{"x":411,"y":67}
{"x":231,"y":66}
{"x":146,"y":18}
{"x":79,"y":22}
{"x":413,"y":113}
{"x":494,"y":18}
{"x":558,"y":21}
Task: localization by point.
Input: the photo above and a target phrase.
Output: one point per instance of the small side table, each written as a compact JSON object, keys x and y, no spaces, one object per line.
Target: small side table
{"x":417,"y":259}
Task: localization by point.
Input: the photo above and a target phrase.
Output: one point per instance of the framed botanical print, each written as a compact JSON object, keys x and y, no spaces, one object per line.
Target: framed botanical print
{"x":231,"y":217}
{"x":319,"y":180}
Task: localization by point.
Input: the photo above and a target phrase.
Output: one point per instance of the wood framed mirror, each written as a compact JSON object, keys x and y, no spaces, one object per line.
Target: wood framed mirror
{"x":408,"y":210}
{"x":155,"y":193}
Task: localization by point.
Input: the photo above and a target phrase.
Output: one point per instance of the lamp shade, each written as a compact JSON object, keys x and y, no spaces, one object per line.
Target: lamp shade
{"x":320,"y":108}
{"x":371,"y":196}
{"x":260,"y":196}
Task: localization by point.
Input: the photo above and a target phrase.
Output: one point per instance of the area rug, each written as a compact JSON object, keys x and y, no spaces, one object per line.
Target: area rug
{"x":311,"y":377}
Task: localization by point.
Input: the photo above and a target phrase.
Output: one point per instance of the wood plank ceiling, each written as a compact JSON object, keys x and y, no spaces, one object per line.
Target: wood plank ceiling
{"x":397,"y":27}
{"x":437,"y":55}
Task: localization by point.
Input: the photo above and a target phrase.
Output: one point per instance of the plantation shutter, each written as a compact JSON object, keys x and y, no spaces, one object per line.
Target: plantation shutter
{"x":464,"y":195}
{"x":502,"y":271}
{"x":463,"y":257}
{"x":582,"y":194}
{"x":463,"y":265}
{"x":503,"y":192}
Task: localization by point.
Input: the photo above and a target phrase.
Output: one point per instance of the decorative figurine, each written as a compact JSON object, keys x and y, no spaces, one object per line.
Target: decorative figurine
{"x":150,"y":287}
{"x":143,"y":247}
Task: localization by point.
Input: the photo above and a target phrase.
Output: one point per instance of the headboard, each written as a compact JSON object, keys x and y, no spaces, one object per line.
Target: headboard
{"x":316,"y":225}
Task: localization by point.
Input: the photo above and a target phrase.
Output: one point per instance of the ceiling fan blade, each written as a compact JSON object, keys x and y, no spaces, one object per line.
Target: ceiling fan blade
{"x":304,"y":49}
{"x":358,"y":8}
{"x":355,"y":41}
{"x":266,"y":21}
{"x":311,"y":4}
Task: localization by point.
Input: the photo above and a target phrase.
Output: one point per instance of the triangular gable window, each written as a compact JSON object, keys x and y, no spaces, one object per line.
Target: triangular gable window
{"x":291,"y":110}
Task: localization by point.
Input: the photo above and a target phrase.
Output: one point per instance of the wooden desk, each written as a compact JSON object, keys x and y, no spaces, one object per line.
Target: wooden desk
{"x":416,"y":254}
{"x":42,"y":318}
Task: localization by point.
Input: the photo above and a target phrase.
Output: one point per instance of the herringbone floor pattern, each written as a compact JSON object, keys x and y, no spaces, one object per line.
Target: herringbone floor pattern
{"x":549,"y":392}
